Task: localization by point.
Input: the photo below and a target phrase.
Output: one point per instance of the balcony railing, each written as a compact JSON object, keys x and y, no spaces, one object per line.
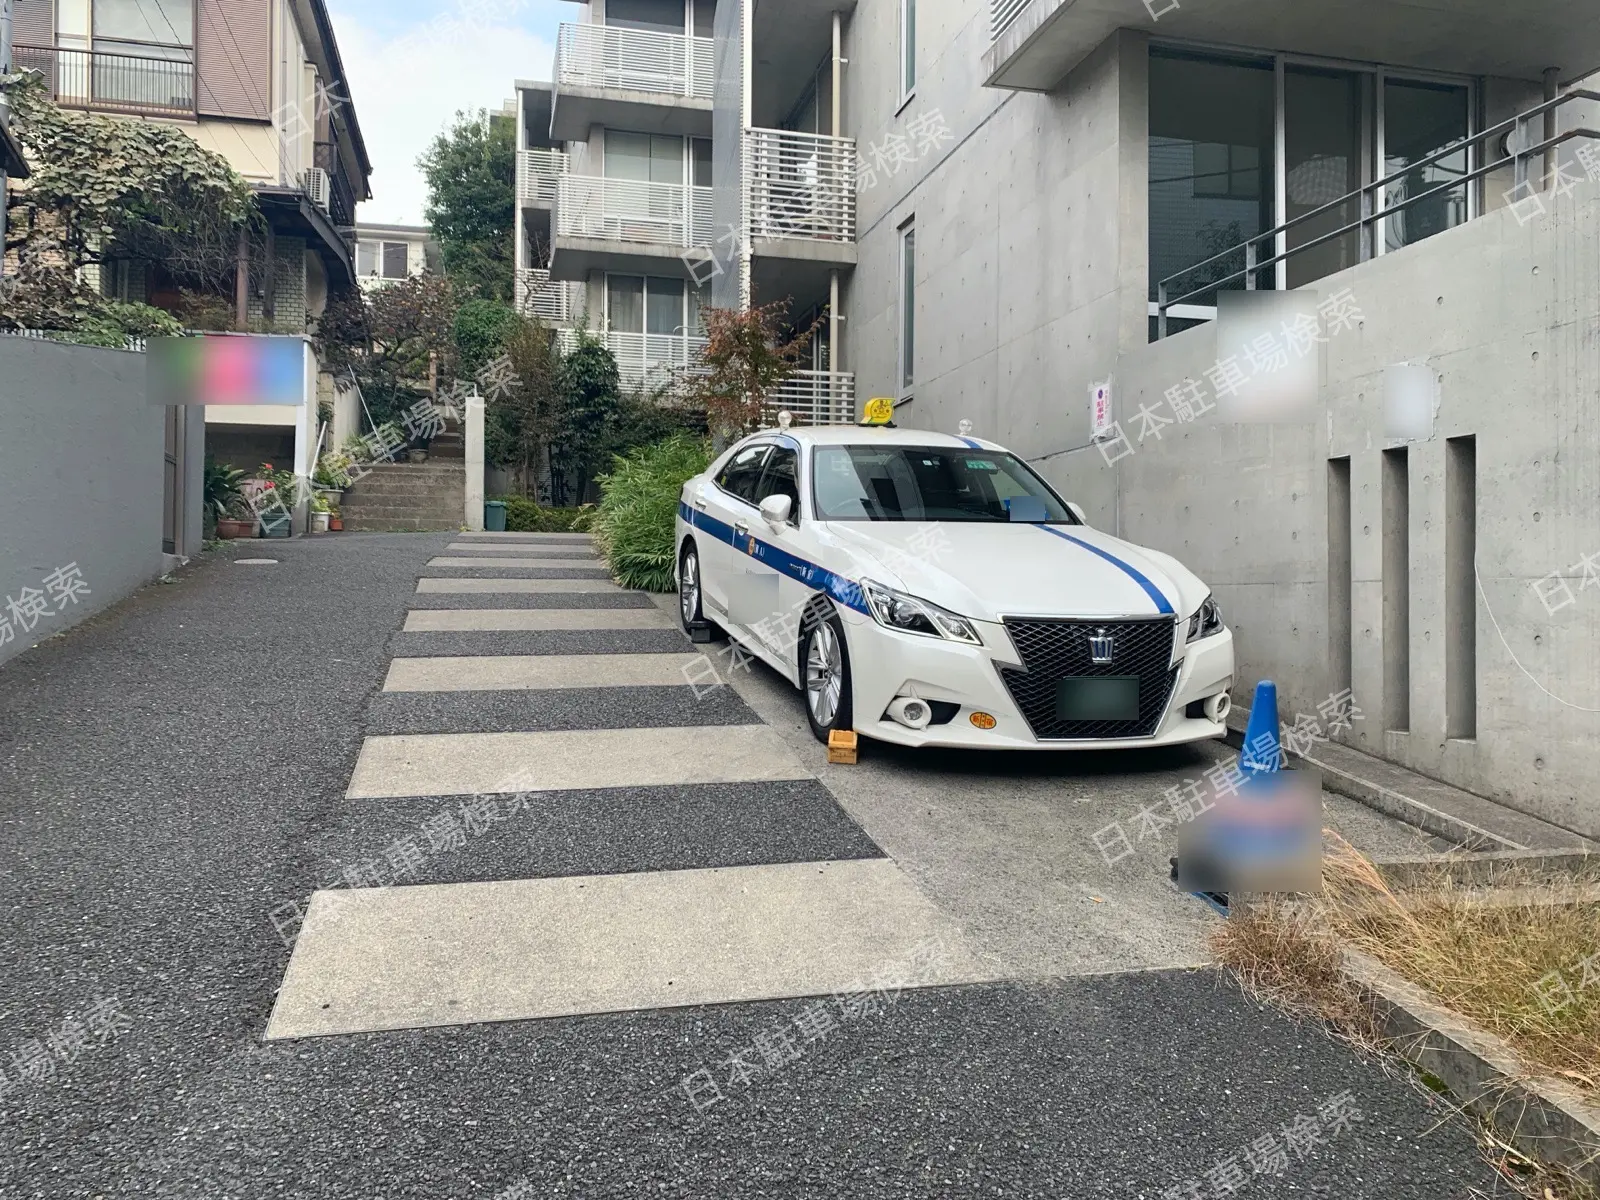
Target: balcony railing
{"x":634,"y":60}
{"x":628,"y":210}
{"x":538,"y":172}
{"x":538,"y":296}
{"x":1001,"y":14}
{"x":341,"y":196}
{"x":124,"y":83}
{"x":816,"y":398}
{"x":645,"y":359}
{"x":801,"y":185}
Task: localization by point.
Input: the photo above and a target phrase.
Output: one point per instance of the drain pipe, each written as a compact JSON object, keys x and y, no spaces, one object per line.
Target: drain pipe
{"x":1552,"y":89}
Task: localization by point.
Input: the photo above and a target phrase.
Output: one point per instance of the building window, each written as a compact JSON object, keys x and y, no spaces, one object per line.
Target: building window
{"x":1232,"y":156}
{"x":645,"y":157}
{"x":148,"y":49}
{"x":385,"y":260}
{"x":908,"y":306}
{"x":656,"y":16}
{"x":394,"y":260}
{"x":651,"y":304}
{"x":908,"y":46}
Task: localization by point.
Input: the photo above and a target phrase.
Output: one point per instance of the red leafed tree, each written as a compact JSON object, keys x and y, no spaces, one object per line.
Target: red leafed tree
{"x":749,"y":354}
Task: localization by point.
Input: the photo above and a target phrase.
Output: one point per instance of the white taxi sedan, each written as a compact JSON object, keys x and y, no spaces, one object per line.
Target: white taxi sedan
{"x":932,"y":590}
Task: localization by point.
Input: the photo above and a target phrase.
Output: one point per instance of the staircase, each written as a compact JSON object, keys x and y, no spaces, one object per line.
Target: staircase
{"x":412,"y":497}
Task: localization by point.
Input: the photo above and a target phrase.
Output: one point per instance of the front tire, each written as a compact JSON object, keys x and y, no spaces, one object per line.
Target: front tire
{"x":689,"y":594}
{"x":825,"y":676}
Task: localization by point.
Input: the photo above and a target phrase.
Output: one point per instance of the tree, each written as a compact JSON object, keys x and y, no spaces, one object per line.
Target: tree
{"x":527,"y":419}
{"x":387,"y":339}
{"x":471,"y":169}
{"x":481,"y":330}
{"x":103,"y":188}
{"x":747,"y":358}
{"x":593,"y":390}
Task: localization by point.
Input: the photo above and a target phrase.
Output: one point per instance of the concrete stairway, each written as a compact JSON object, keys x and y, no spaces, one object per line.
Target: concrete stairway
{"x":408,"y":496}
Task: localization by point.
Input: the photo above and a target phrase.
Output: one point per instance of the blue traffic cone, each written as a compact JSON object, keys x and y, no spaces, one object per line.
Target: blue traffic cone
{"x":1262,"y":753}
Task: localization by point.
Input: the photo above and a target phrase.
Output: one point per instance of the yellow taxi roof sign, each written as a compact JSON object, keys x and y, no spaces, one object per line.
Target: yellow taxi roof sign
{"x":879,"y":411}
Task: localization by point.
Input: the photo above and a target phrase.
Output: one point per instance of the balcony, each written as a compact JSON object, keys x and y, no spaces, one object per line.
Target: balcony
{"x":801,"y":187}
{"x":645,"y":359}
{"x":816,"y":398}
{"x":626,"y":224}
{"x":538,"y":173}
{"x":540,"y":296}
{"x":630,"y":79}
{"x":138,"y":85}
{"x":1036,"y":43}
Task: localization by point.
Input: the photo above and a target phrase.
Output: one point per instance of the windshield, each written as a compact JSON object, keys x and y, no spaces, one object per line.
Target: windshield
{"x":918,"y":483}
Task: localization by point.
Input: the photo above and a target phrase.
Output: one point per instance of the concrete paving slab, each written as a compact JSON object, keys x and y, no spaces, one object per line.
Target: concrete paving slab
{"x":503,"y":672}
{"x":616,"y":599}
{"x":461,"y":764}
{"x":554,"y":550}
{"x":591,"y":563}
{"x":503,"y":571}
{"x":526,"y":586}
{"x":498,"y":620}
{"x":537,"y":641}
{"x":533,"y":711}
{"x":486,"y":535}
{"x":456,"y":954}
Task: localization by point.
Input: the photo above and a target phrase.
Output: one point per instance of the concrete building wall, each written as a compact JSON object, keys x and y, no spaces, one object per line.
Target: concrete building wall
{"x":1031,"y":236}
{"x":81,"y":480}
{"x":1507,"y":316}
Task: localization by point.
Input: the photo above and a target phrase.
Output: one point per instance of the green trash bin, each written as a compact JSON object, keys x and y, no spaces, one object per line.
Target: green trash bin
{"x":494,"y":516}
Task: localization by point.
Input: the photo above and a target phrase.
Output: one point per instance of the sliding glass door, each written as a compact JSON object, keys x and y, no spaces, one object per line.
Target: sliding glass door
{"x":1327,"y":116}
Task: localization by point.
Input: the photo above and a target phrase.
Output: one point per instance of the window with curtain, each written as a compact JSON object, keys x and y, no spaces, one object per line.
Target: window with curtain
{"x":656,"y":16}
{"x":646,"y":157}
{"x":653,"y":304}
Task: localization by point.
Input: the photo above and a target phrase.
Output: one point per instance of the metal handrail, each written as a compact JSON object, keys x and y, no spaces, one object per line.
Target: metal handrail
{"x":537,"y":173}
{"x":630,"y":210}
{"x":1372,"y":212}
{"x":538,"y":296}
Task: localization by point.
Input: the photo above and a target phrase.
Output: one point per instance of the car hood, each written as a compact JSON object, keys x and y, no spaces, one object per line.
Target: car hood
{"x":990,"y":570}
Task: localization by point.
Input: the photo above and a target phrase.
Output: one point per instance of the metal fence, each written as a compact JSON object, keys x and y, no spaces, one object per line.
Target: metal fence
{"x":645,"y":359}
{"x":634,"y":60}
{"x":538,"y":296}
{"x":628,"y":210}
{"x":801,"y":185}
{"x":816,"y":398}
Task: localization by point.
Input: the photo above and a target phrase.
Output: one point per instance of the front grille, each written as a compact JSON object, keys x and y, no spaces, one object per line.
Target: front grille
{"x":1053,"y":650}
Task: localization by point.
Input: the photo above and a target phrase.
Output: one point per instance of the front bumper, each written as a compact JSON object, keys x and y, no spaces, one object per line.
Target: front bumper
{"x":885,"y":664}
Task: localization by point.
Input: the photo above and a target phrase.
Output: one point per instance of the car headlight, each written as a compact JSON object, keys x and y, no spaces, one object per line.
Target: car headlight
{"x":1205,"y":622}
{"x":896,"y":610}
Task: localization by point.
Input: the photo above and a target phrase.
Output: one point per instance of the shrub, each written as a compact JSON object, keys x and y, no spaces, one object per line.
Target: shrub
{"x":634,"y":522}
{"x":480,"y":331}
{"x":525,"y":516}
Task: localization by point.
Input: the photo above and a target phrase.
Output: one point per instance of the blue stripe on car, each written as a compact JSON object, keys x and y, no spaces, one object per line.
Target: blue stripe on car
{"x":1151,"y":590}
{"x":974,"y":445}
{"x":846,"y":591}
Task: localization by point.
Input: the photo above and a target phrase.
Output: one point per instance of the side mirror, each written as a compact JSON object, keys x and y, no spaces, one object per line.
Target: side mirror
{"x":775,"y":510}
{"x":1077,"y":511}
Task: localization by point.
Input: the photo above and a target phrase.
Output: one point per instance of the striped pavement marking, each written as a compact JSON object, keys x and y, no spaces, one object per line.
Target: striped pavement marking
{"x":462,"y":764}
{"x":371,"y":959}
{"x":586,"y":563}
{"x":516,"y":585}
{"x":505,"y":620}
{"x":565,"y":549}
{"x":512,"y":672}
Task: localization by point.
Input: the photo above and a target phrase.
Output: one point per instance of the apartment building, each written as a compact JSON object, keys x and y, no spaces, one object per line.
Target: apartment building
{"x":259,"y":82}
{"x":652,"y":181}
{"x":388,"y":252}
{"x":1118,"y":171}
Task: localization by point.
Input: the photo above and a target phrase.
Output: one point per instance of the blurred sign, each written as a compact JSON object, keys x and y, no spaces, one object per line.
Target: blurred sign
{"x":228,"y":369}
{"x":879,"y":411}
{"x":1100,"y":411}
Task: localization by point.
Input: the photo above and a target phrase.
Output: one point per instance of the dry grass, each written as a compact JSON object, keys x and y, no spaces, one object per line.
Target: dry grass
{"x":1480,"y":953}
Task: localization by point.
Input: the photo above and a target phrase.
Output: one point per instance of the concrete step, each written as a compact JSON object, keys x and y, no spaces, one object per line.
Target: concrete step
{"x":400,"y":524}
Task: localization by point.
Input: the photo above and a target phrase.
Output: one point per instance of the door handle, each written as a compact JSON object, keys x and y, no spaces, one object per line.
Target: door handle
{"x":700,"y":503}
{"x":741,"y":526}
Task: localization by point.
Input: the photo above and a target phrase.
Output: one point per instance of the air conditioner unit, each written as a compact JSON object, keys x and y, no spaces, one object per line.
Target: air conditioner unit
{"x":317,"y":186}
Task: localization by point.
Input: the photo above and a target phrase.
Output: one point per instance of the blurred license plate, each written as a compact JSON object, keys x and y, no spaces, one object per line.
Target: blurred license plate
{"x":1098,"y":698}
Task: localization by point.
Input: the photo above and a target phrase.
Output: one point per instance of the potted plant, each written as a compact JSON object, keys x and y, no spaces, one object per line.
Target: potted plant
{"x":221,"y":494}
{"x":335,"y":521}
{"x":333,"y":475}
{"x":419,"y":452}
{"x":320,"y":508}
{"x":237,"y":521}
{"x":276,"y":500}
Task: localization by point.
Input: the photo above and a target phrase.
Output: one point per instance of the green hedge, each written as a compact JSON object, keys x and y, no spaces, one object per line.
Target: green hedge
{"x":634,"y":521}
{"x":524,"y":516}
